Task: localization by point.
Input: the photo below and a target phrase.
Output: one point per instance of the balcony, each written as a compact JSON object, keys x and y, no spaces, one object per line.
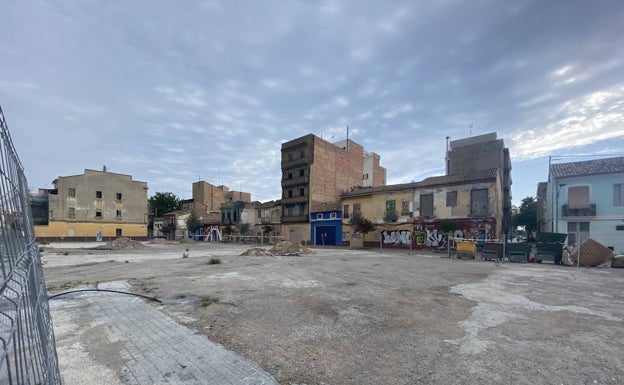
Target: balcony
{"x":301,"y":180}
{"x":295,"y":162}
{"x":292,"y":200}
{"x":390,"y":216}
{"x":588,"y":210}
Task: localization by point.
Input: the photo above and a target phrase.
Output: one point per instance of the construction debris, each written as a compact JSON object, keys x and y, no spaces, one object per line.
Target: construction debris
{"x":289,"y":248}
{"x":121,"y":243}
{"x":187,"y":240}
{"x":593,"y":254}
{"x":257,"y":251}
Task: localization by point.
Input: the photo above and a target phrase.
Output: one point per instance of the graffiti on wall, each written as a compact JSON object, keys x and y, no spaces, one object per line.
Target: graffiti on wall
{"x":400,"y":237}
{"x":428,"y":234}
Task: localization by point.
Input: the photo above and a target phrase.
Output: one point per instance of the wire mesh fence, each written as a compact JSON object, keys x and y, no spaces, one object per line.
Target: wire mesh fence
{"x":27,"y":347}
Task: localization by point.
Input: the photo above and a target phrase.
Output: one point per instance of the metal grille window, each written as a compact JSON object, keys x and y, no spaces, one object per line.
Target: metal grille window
{"x":357,"y":210}
{"x":426,"y":205}
{"x":71,"y":192}
{"x":71,"y":212}
{"x":345,"y":211}
{"x":98,"y":195}
{"x":405,"y":208}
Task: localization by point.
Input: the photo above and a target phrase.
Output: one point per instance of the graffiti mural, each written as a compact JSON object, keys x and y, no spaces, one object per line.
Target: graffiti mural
{"x":428,"y":233}
{"x":401,"y":237}
{"x":433,"y":238}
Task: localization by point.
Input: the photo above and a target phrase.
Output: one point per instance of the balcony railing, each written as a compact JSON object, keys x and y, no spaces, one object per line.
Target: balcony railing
{"x":391,"y":216}
{"x":588,"y":210}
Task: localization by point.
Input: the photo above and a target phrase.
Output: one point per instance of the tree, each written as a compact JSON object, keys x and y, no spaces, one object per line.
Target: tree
{"x":244,"y":228}
{"x":162,"y":203}
{"x":193,"y":223}
{"x":362,"y":225}
{"x":526,"y":215}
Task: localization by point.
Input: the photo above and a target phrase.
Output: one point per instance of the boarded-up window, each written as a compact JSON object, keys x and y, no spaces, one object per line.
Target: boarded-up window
{"x":451,"y":198}
{"x":426,"y":205}
{"x":479,"y":202}
{"x":578,"y":197}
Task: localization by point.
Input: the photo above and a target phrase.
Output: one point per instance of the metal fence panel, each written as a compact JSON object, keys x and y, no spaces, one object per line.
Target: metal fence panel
{"x":27,"y":347}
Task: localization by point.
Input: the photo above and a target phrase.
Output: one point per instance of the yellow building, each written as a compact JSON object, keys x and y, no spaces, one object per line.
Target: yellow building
{"x":90,"y":206}
{"x":412,"y":213}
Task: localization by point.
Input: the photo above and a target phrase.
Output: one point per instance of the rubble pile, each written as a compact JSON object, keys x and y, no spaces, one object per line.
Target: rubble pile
{"x":187,"y":240}
{"x":159,"y":241}
{"x":593,"y":254}
{"x":289,"y":248}
{"x":257,"y":251}
{"x":121,"y":243}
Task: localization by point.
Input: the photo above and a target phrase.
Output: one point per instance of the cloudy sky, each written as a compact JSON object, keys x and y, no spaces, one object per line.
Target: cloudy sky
{"x":176,"y":91}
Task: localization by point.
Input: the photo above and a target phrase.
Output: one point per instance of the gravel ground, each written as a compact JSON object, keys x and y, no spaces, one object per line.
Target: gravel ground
{"x":344,"y":316}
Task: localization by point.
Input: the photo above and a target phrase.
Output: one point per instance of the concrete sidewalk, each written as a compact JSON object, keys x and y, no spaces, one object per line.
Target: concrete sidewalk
{"x":143,"y":345}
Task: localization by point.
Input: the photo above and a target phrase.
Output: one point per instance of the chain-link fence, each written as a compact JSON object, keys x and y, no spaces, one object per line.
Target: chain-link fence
{"x":28,"y":352}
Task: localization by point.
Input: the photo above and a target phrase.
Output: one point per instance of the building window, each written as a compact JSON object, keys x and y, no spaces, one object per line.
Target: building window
{"x":426,"y":205}
{"x":301,"y":172}
{"x":118,"y":233}
{"x":290,"y":157}
{"x":319,"y":216}
{"x":290,"y":193}
{"x":618,"y":194}
{"x":479,"y":202}
{"x":118,"y":214}
{"x":259,"y":213}
{"x":451,"y":198}
{"x":98,"y":195}
{"x":405,"y":208}
{"x":619,"y":227}
{"x":118,"y":197}
{"x":302,"y":154}
{"x":332,"y":215}
{"x":577,"y":232}
{"x":345,"y":211}
{"x":71,"y":212}
{"x":290,"y":175}
{"x":578,"y":197}
{"x":357,"y":210}
{"x":71,"y":192}
{"x":302,"y":192}
{"x":98,"y":214}
{"x":365,"y":176}
{"x":390,"y":214}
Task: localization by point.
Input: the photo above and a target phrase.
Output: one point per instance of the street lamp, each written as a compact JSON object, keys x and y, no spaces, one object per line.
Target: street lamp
{"x":557,"y":207}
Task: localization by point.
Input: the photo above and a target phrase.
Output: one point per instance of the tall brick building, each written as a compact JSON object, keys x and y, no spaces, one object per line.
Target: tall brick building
{"x":315,"y":173}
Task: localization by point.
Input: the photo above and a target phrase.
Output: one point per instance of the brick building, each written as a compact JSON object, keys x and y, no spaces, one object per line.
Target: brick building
{"x":315,"y":173}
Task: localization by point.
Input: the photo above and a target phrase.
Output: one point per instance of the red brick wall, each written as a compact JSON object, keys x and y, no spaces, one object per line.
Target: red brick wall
{"x":334,"y":170}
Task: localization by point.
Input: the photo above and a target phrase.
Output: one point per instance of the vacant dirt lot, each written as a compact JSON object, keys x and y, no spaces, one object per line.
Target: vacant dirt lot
{"x":365,"y":317}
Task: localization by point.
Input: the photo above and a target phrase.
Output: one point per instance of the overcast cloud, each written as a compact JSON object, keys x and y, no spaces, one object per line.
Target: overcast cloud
{"x":172,"y":92}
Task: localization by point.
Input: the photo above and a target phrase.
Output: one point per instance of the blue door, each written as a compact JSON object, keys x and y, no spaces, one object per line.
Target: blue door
{"x":325,"y":235}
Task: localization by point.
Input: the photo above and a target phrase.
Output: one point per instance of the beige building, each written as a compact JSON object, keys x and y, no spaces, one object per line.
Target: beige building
{"x":92,"y":205}
{"x":474,"y":197}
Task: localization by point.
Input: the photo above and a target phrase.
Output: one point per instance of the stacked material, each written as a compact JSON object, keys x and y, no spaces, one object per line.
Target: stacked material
{"x":121,"y":243}
{"x":289,"y":248}
{"x":592,"y":254}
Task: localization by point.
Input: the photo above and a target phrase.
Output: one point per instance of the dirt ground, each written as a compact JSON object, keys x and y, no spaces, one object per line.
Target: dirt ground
{"x":342,"y":316}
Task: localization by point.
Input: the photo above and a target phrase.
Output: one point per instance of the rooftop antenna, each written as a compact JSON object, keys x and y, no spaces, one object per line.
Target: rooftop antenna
{"x":470,"y":127}
{"x":347,"y":137}
{"x":104,"y":168}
